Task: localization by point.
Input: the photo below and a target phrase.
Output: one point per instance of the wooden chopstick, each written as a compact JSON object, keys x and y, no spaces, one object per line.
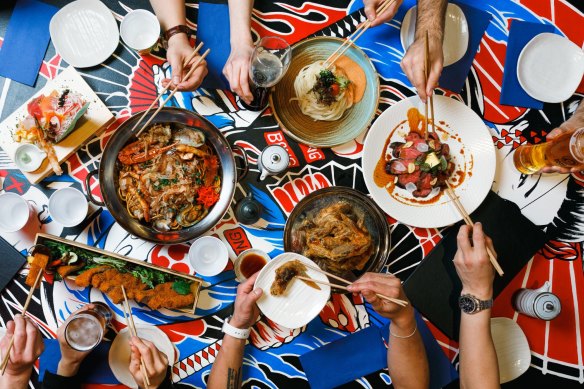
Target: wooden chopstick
{"x":174,"y":90}
{"x":132,"y":326}
{"x":189,"y":58}
{"x":426,"y":70}
{"x":24,"y":309}
{"x":354,"y":36}
{"x":321,"y":282}
{"x":470,"y":223}
{"x":403,"y":303}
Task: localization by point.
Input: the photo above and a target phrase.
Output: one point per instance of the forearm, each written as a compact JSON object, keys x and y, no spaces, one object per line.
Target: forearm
{"x":15,"y":382}
{"x":431,"y":18}
{"x":478,"y":360}
{"x":226,"y":370}
{"x":408,"y":355}
{"x":577,"y":120}
{"x":240,"y":21}
{"x":170,"y":13}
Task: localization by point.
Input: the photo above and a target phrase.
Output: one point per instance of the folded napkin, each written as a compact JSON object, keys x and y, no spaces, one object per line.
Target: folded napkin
{"x":364,"y":352}
{"x":26,"y":41}
{"x":12,"y":261}
{"x":520,"y":34}
{"x":94,"y":369}
{"x":454,"y":76}
{"x":434,"y":287}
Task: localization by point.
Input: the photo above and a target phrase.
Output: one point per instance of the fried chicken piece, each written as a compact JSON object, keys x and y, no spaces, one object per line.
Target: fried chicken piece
{"x":39,"y":263}
{"x":65,"y":270}
{"x":165,"y":297}
{"x":84,"y":279}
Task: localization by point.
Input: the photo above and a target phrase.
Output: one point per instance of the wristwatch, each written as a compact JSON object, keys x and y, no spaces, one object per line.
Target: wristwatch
{"x":234,"y":331}
{"x":470,"y":304}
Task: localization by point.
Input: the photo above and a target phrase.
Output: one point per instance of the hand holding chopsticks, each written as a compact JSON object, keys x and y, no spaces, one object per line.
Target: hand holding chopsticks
{"x":132,"y":326}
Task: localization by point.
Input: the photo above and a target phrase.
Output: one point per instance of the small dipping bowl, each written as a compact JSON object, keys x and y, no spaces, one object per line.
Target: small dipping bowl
{"x":249,"y":262}
{"x":208,"y":256}
{"x":68,"y":206}
{"x":28,"y":157}
{"x":140,"y":30}
{"x":15,"y":211}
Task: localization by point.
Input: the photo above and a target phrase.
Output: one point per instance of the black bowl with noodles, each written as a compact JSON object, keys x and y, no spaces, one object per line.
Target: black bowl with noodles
{"x":109,"y":168}
{"x":312,"y":213}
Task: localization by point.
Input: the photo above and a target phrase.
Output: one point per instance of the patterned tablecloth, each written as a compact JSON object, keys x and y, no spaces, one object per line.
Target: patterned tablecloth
{"x":127,"y":83}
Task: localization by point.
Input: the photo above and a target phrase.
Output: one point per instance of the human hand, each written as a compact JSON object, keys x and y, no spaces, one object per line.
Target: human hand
{"x":155,"y":361}
{"x":389,"y":285}
{"x":372,"y":5}
{"x":236,"y":70}
{"x":555,"y":133}
{"x":179,"y":49}
{"x":246,"y":311}
{"x":472,"y":262}
{"x":27,"y":346}
{"x":70,"y":358}
{"x":413,"y":64}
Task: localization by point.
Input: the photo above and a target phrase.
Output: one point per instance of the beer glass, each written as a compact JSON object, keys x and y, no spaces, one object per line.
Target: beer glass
{"x":268,"y":64}
{"x":84,"y":330}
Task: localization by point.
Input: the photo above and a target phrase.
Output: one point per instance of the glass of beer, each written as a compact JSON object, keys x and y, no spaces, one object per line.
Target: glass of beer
{"x":567,"y":150}
{"x":268,"y":64}
{"x":84,"y":330}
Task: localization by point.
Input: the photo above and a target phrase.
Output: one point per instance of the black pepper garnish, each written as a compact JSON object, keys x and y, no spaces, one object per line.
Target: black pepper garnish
{"x":63,"y":97}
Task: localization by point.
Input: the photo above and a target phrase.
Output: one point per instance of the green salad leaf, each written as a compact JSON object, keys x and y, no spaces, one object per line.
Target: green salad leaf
{"x":181,"y":287}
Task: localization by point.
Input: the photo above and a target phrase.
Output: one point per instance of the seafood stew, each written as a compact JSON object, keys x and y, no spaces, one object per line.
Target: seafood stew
{"x":170,"y":177}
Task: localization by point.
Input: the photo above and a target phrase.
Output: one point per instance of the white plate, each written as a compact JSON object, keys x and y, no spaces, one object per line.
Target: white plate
{"x":119,"y":354}
{"x":456,"y":33}
{"x":512,"y":349}
{"x":300,"y":304}
{"x":479,"y":158}
{"x":84,"y":33}
{"x":550,"y":68}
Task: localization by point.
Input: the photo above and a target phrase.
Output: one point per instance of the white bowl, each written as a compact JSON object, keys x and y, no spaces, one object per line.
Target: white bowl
{"x":140,"y":30}
{"x":208,"y":256}
{"x":68,"y":207}
{"x":512,"y":349}
{"x":28,"y":157}
{"x":15,"y":211}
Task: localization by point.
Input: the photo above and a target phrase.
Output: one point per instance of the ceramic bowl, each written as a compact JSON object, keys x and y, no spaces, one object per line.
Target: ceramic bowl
{"x":512,"y":348}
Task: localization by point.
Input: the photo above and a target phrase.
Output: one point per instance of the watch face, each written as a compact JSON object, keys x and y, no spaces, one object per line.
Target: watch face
{"x":467,"y":304}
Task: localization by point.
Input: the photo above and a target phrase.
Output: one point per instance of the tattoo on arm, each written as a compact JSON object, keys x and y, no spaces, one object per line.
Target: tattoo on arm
{"x":233,"y":378}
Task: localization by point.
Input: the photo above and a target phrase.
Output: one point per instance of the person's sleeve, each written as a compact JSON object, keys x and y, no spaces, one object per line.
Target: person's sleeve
{"x":54,"y":381}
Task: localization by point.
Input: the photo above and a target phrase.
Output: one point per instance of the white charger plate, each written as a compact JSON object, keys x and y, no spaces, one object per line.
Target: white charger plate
{"x":550,"y":68}
{"x":119,"y":354}
{"x":456,"y":34}
{"x":301,"y":303}
{"x":84,"y":33}
{"x":479,"y":156}
{"x":512,"y":348}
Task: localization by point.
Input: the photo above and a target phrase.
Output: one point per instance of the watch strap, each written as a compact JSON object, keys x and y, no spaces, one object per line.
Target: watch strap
{"x":234,"y":331}
{"x":479,"y":305}
{"x":181,"y":28}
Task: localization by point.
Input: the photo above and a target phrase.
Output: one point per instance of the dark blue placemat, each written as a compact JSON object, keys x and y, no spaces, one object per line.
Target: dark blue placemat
{"x":520,"y":34}
{"x":213,"y":29}
{"x":11,"y":260}
{"x":26,"y":41}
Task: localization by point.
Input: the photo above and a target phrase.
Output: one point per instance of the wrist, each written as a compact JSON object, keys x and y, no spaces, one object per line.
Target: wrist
{"x":68,"y":367}
{"x":16,"y":377}
{"x":405,"y":321}
{"x":236,"y":322}
{"x":240,"y":39}
{"x":480,"y":293}
{"x":178,"y":39}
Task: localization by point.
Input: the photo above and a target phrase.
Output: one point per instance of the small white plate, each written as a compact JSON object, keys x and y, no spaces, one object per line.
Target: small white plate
{"x":84,"y":33}
{"x":456,"y":34}
{"x":301,"y":303}
{"x":512,"y":349}
{"x":208,"y":256}
{"x":28,"y":157}
{"x":68,"y":206}
{"x":119,"y":354}
{"x":550,"y":68}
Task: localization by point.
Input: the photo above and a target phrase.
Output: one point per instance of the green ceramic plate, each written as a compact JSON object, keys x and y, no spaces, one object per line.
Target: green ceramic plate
{"x":318,"y":133}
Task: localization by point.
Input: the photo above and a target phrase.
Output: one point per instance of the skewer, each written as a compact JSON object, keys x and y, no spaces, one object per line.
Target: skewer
{"x":403,"y":303}
{"x":469,"y":222}
{"x":24,"y":309}
{"x":190,"y":72}
{"x":132,"y":326}
{"x":189,"y":58}
{"x":354,"y":36}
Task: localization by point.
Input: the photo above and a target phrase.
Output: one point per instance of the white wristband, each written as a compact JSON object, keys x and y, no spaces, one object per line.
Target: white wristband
{"x":234,"y":331}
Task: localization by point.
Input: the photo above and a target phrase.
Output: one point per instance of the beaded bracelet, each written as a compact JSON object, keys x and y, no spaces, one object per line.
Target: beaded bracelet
{"x":404,"y":337}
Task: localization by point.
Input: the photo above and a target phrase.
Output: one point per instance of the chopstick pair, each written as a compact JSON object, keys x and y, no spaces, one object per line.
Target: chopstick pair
{"x":400,"y":302}
{"x":24,"y":309}
{"x":174,"y":90}
{"x":431,"y":97}
{"x":355,"y":35}
{"x":132,"y":326}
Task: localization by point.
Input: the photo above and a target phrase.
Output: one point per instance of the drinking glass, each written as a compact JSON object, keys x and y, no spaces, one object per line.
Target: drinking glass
{"x":268,"y":64}
{"x":85,"y":330}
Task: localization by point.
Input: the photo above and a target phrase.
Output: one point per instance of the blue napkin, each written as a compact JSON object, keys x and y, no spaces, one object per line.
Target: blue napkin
{"x":363,"y":353}
{"x":213,"y":29}
{"x":26,"y":40}
{"x":94,"y":368}
{"x":520,"y":34}
{"x":454,"y":76}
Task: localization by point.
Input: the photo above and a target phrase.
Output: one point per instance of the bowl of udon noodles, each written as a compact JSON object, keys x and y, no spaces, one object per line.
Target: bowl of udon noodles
{"x":326,"y":106}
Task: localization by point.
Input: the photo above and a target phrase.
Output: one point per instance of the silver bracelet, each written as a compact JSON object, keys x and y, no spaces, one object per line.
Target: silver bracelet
{"x":407,"y":336}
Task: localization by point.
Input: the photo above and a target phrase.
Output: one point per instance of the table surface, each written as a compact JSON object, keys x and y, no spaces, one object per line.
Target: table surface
{"x":127,"y":82}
